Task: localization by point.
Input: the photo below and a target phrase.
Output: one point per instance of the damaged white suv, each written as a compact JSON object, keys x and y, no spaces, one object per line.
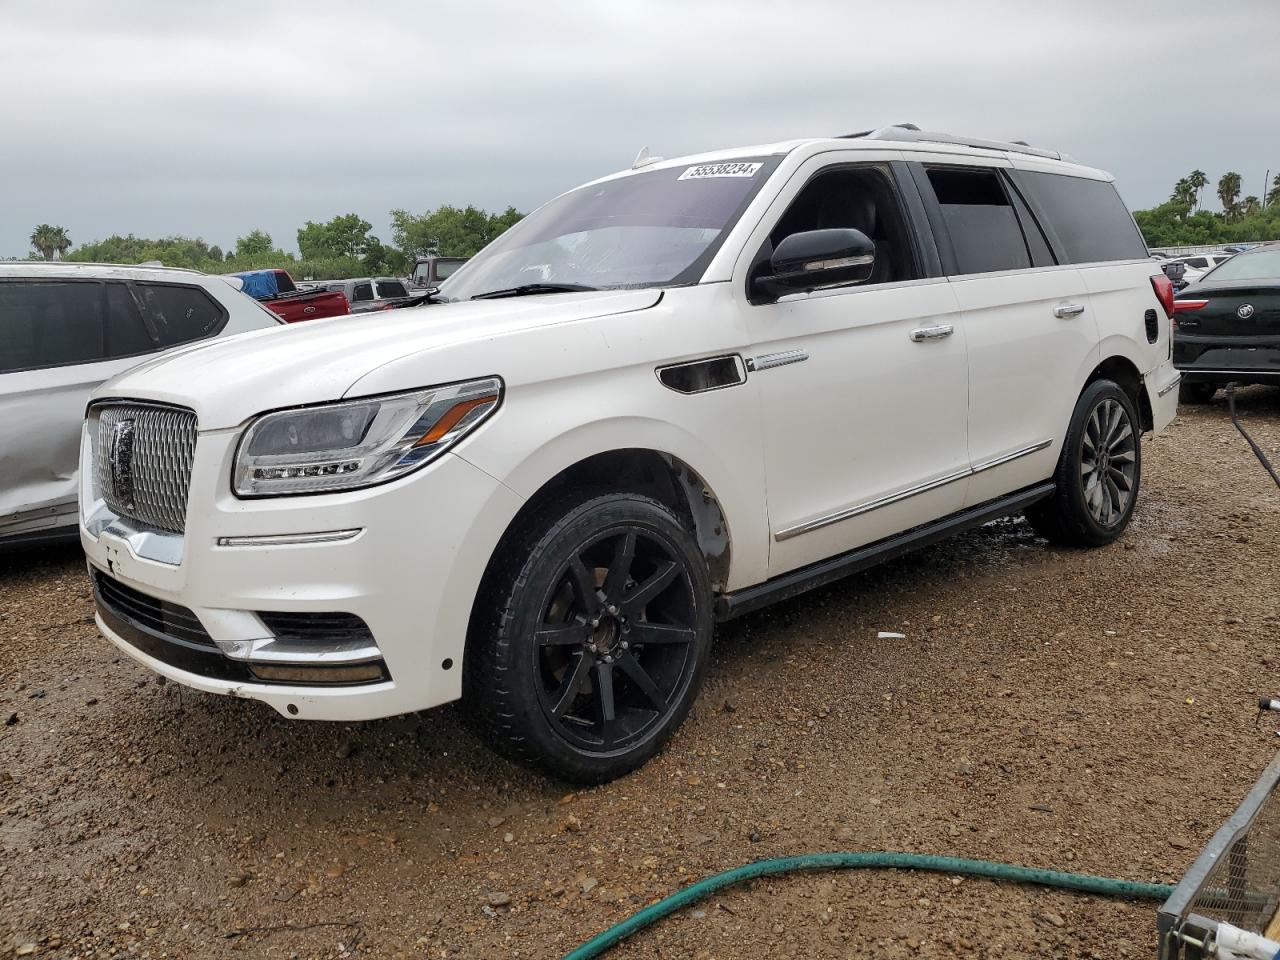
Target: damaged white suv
{"x":665,"y":398}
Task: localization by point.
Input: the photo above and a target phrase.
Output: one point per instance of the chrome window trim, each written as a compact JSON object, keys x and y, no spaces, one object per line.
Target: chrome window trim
{"x":849,"y":513}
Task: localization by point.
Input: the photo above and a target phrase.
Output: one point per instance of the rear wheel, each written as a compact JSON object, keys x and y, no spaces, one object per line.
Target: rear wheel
{"x":1196,"y":392}
{"x":594,"y":638}
{"x":1099,"y":472}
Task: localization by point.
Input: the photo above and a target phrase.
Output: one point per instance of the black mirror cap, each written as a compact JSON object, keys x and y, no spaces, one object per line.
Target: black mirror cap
{"x":819,"y":258}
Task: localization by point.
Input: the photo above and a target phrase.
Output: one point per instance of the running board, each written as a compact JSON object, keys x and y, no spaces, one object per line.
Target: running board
{"x":835,"y":568}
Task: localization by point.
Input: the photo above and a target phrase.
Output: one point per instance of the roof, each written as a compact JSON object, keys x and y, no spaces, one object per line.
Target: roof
{"x":76,"y":266}
{"x":905,"y":137}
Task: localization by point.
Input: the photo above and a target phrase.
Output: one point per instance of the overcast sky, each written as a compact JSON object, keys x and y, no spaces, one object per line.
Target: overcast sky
{"x":159,"y":117}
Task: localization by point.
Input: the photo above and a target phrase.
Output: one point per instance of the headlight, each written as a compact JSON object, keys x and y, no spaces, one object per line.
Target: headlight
{"x":343,"y":446}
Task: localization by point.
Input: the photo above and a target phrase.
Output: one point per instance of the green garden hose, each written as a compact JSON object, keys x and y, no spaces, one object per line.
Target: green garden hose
{"x":1084,"y":883}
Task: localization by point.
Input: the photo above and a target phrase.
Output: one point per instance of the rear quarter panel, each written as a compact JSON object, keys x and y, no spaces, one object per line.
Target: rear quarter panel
{"x":1121,"y":294}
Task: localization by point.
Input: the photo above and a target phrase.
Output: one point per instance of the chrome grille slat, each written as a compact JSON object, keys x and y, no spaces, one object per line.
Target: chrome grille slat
{"x":163,"y":445}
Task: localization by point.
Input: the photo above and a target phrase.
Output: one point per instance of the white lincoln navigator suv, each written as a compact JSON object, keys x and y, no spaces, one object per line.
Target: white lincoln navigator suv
{"x":663,"y":399}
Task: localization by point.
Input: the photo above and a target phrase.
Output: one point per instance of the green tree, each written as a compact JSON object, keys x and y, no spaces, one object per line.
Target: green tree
{"x":1229,"y":192}
{"x":1249,"y":206}
{"x":255,"y":243}
{"x":1184,"y":193}
{"x":343,"y":236}
{"x":449,"y":231}
{"x":1273,"y":195}
{"x":1198,"y":182}
{"x":49,"y":240}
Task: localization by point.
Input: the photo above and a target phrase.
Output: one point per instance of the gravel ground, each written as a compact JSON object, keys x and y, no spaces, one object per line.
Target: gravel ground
{"x":1089,"y":711}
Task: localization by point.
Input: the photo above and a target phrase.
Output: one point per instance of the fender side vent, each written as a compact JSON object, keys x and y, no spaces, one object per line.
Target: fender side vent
{"x":699,"y":376}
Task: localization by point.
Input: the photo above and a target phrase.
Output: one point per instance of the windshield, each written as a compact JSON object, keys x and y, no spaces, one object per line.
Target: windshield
{"x":648,"y":229}
{"x":1262,"y":265}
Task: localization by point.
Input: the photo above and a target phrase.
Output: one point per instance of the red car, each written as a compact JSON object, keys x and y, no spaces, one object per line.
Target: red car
{"x":276,"y":291}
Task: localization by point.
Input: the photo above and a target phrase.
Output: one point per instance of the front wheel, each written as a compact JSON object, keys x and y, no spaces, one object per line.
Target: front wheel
{"x":1099,"y":472}
{"x":593,"y":636}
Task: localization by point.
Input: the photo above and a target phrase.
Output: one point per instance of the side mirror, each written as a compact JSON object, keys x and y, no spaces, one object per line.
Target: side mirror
{"x":816,"y":259}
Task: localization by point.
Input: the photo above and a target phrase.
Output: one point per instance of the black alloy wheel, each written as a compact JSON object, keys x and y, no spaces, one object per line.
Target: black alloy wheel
{"x":591,"y":635}
{"x":615,"y":646}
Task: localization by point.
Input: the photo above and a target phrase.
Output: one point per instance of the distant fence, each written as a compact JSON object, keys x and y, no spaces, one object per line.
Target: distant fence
{"x":1202,"y":248}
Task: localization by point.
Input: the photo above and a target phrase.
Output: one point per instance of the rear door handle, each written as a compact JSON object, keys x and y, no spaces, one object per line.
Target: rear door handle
{"x":939,"y":332}
{"x":1065,"y":311}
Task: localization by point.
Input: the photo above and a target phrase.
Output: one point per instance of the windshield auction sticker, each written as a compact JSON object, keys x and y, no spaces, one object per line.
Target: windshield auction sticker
{"x":707,"y":170}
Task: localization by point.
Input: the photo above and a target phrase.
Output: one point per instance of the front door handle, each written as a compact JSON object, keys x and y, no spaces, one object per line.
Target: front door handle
{"x":939,"y":332}
{"x":1065,"y":311}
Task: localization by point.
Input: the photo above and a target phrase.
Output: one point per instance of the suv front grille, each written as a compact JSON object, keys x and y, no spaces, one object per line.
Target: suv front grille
{"x":142,"y":459}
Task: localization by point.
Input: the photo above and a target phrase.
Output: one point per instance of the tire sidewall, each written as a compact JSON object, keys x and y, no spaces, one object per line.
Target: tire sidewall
{"x":1073,"y":454}
{"x":542,"y":568}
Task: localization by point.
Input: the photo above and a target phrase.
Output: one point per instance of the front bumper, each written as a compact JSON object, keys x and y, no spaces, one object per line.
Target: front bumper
{"x":409,"y":572}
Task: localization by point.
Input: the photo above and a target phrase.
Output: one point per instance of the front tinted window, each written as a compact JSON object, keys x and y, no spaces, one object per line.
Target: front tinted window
{"x":1090,"y":220}
{"x":1263,"y":265}
{"x":645,"y":229}
{"x":445,"y":268}
{"x":50,"y":324}
{"x":985,"y":234}
{"x":1198,"y":262}
{"x":391,"y":288}
{"x":362,"y":291}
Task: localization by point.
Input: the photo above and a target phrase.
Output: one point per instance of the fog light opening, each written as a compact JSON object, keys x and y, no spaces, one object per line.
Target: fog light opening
{"x":369,"y":672}
{"x":293,"y":709}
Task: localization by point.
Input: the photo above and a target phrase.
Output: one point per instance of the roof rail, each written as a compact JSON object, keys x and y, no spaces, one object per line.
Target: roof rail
{"x":909,"y":132}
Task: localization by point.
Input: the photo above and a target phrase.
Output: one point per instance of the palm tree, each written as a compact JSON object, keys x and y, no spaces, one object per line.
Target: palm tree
{"x":1273,"y":196}
{"x":1199,"y":181}
{"x":1250,"y":205}
{"x":1228,"y":192}
{"x":1184,"y":193}
{"x":49,"y":240}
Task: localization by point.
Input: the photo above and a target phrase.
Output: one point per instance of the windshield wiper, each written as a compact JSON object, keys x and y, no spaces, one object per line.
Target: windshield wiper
{"x":529,"y":289}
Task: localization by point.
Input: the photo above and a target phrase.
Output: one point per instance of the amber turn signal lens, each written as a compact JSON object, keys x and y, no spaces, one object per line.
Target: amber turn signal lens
{"x":452,"y":418}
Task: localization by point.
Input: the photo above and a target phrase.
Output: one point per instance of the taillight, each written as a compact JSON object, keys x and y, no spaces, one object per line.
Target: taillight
{"x":1163,"y":287}
{"x":1183,"y":306}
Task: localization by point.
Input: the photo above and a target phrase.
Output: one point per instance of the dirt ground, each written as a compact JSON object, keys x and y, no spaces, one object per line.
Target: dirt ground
{"x":1089,"y":711}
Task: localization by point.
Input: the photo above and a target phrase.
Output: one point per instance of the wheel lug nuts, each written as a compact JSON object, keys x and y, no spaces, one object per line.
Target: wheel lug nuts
{"x":624,"y":645}
{"x":613,"y":610}
{"x":592,"y":647}
{"x":608,"y":658}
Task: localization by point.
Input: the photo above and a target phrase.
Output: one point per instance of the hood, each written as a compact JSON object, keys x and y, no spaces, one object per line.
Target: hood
{"x":228,"y":380}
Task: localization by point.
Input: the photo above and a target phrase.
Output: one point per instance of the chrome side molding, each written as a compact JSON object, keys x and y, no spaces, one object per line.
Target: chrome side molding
{"x":858,"y":510}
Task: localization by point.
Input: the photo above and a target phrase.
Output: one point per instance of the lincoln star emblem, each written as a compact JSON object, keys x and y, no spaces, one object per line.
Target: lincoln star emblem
{"x":1244,"y":311}
{"x":120,"y":461}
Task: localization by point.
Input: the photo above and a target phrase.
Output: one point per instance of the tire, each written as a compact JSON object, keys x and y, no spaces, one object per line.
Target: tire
{"x":590,"y":637}
{"x":1091,"y":506}
{"x":1196,"y":392}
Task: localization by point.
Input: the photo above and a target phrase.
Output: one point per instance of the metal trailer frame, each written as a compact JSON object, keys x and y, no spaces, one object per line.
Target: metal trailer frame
{"x":1235,"y":879}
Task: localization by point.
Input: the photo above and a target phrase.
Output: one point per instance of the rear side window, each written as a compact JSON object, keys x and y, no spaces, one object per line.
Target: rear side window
{"x":985,"y":233}
{"x":445,"y":268}
{"x":174,"y":315}
{"x":391,"y":288}
{"x":363,"y":291}
{"x":1088,"y":217}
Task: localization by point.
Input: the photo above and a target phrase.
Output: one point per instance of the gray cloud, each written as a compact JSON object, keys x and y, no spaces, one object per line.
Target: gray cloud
{"x":160,"y":118}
